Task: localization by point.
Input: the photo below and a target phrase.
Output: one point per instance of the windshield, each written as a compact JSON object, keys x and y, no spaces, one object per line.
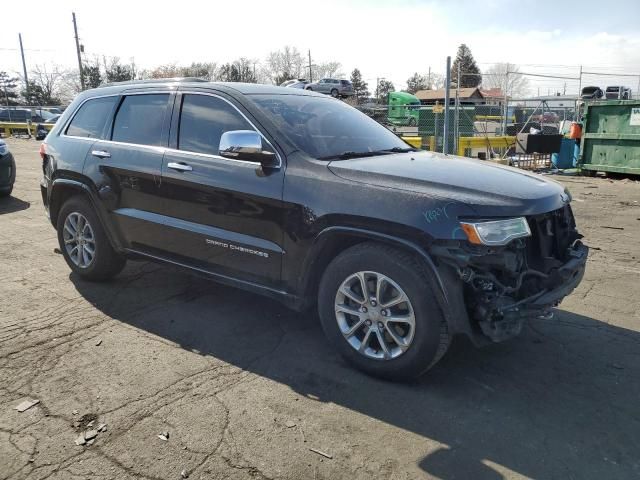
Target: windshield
{"x":326,"y":128}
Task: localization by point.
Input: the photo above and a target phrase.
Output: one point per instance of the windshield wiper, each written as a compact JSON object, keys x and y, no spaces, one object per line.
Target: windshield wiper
{"x":400,"y":149}
{"x":350,"y":154}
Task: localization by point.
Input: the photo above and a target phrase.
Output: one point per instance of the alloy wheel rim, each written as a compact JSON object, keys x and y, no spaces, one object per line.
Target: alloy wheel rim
{"x":79,"y":240}
{"x":375,"y":315}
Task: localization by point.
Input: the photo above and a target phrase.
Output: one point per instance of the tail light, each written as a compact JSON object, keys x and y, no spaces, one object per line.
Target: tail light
{"x":43,"y":153}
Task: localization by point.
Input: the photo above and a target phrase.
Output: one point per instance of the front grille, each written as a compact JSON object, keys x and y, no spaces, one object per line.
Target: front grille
{"x":552,"y":234}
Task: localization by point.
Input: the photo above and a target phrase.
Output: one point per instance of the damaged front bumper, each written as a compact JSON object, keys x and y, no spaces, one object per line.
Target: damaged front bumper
{"x":501,"y":291}
{"x":502,"y":317}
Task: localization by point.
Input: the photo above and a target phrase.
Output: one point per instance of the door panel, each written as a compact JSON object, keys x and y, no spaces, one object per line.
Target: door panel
{"x":223,"y":215}
{"x":127,"y":169}
{"x":129,"y":186}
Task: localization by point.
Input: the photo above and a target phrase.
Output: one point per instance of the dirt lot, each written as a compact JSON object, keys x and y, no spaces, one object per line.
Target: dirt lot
{"x":246,"y":389}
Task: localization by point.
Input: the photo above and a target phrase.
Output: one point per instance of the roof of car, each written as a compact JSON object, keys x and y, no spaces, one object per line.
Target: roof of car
{"x":244,"y":88}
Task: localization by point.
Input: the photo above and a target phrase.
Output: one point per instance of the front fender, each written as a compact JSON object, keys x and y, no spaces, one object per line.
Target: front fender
{"x":444,"y":284}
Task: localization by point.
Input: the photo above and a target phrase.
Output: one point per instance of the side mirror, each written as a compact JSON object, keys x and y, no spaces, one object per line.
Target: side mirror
{"x":246,"y":145}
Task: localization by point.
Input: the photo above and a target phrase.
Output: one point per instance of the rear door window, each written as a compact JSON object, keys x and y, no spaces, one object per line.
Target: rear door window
{"x":203,"y":120}
{"x":90,"y":120}
{"x":140,"y":119}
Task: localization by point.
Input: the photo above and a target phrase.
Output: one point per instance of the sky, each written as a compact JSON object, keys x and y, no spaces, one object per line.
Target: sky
{"x":390,"y":39}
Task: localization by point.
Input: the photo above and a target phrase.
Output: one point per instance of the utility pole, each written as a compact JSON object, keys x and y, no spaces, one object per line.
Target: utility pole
{"x":506,"y":101}
{"x":456,"y":118}
{"x":24,"y":71}
{"x":445,"y":128}
{"x":310,"y":72}
{"x":75,"y":31}
{"x":580,"y":82}
{"x":429,"y":79}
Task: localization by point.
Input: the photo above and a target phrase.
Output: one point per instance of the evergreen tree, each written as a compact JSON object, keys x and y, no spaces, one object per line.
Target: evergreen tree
{"x":92,"y":75}
{"x":470,"y":73}
{"x":383,"y":90}
{"x":416,"y":82}
{"x":8,"y":94}
{"x":359,"y":85}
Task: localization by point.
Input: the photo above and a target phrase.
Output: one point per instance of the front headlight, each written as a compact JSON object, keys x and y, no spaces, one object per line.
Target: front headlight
{"x":497,"y":232}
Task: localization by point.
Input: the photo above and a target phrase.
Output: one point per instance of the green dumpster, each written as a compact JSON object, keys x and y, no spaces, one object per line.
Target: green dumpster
{"x":611,"y":137}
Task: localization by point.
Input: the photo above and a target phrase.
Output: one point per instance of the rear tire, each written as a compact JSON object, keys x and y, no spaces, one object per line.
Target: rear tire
{"x":334,"y":93}
{"x":408,"y":351}
{"x":5,"y":192}
{"x":84,"y":243}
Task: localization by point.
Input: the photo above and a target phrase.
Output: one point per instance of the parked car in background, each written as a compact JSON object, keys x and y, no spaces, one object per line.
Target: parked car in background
{"x":295,"y":83}
{"x":331,"y":86}
{"x":53,"y":119}
{"x":7,"y":170}
{"x":54,"y":110}
{"x":302,"y":198}
{"x":618,"y":92}
{"x":547,"y":117}
{"x":23,"y":115}
{"x":591,"y":93}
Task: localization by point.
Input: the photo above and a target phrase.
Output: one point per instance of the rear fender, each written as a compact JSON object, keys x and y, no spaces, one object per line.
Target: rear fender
{"x":64,"y":188}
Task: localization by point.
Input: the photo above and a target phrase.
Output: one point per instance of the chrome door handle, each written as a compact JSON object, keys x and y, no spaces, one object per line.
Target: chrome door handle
{"x":100,"y":154}
{"x":181,"y":167}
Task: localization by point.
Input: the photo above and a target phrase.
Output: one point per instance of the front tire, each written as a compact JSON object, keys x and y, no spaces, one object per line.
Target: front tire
{"x":377,"y":308}
{"x":334,"y":93}
{"x":84,"y":243}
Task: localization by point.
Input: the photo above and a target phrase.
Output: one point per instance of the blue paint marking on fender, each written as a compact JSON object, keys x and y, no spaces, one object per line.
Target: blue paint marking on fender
{"x":436,"y":214}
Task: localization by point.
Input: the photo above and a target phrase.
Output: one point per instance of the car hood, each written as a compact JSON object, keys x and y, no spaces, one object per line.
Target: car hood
{"x":488,"y":188}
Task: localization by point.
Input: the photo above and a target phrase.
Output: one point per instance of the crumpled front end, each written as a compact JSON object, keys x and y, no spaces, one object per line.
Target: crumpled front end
{"x":505,"y":285}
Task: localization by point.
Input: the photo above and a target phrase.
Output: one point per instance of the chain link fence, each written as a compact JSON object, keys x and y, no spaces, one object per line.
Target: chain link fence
{"x":474,"y":130}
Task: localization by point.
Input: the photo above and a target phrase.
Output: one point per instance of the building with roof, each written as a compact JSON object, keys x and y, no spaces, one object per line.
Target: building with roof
{"x":468,"y":96}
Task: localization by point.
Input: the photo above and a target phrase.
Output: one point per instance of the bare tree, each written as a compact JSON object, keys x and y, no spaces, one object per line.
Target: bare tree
{"x":283,"y":65}
{"x":44,"y":83}
{"x":435,"y":81}
{"x":514,"y":84}
{"x":327,"y":70}
{"x":206,"y":70}
{"x":240,"y":70}
{"x":168,"y":70}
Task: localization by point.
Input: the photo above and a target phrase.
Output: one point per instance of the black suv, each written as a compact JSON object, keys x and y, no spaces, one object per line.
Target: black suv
{"x":300,"y":197}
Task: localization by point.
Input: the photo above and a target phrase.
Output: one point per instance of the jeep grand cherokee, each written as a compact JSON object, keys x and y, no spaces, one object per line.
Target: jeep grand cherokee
{"x":300,"y":197}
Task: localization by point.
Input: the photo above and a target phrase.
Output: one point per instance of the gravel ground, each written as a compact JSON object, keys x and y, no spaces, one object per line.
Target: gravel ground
{"x":246,"y":389}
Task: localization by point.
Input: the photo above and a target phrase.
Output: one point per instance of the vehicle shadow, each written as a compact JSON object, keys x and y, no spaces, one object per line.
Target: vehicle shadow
{"x":560,"y":401}
{"x":12,"y":204}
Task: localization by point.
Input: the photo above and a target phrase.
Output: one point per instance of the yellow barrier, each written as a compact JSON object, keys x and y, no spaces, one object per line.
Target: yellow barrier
{"x":464,"y":143}
{"x":418,"y":142}
{"x":413,"y":141}
{"x":480,"y":142}
{"x":8,"y":127}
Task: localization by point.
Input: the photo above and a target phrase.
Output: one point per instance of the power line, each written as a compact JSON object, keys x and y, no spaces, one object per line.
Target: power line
{"x":612,"y":74}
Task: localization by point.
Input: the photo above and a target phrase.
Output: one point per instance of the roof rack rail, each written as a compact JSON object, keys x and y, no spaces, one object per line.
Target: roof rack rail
{"x":155,"y":80}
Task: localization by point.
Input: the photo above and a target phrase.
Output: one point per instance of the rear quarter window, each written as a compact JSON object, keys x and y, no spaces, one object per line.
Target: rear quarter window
{"x":90,"y":120}
{"x":140,"y":119}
